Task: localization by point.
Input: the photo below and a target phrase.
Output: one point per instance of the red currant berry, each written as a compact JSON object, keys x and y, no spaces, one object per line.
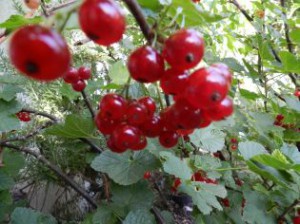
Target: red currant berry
{"x":136,"y":113}
{"x":204,"y":121}
{"x":279,"y":117}
{"x":140,"y":145}
{"x":176,"y":183}
{"x":147,"y":175}
{"x":84,"y":73}
{"x":152,"y":127}
{"x":32,"y":4}
{"x":167,"y":119}
{"x":297,"y":93}
{"x":149,"y":103}
{"x":24,"y":116}
{"x":146,"y":65}
{"x":233,"y":147}
{"x":224,"y":70}
{"x":168,"y":139}
{"x":198,"y":177}
{"x":111,"y":145}
{"x":79,"y":85}
{"x":225,"y":202}
{"x":184,"y":49}
{"x":206,"y":88}
{"x":233,"y":140}
{"x":71,"y":76}
{"x":102,"y":21}
{"x":221,"y":111}
{"x":185,"y":132}
{"x":210,"y":181}
{"x":174,"y":82}
{"x":39,"y":52}
{"x":278,"y":123}
{"x":239,"y":182}
{"x":125,"y":136}
{"x":113,"y":106}
{"x":296,"y":220}
{"x":105,"y":125}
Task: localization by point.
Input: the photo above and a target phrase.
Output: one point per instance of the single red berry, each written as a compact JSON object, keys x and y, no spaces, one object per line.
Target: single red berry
{"x":176,"y":183}
{"x":105,"y":125}
{"x":149,"y":103}
{"x":71,"y":76}
{"x":136,"y":113}
{"x":221,"y":111}
{"x":233,"y":140}
{"x":184,"y":49}
{"x":32,"y":4}
{"x":185,"y":132}
{"x":174,"y":82}
{"x":225,"y":202}
{"x":24,"y":116}
{"x":146,"y":65}
{"x":297,"y":93}
{"x":198,"y":177}
{"x":206,"y":88}
{"x":234,"y":147}
{"x":205,"y":120}
{"x":102,"y":21}
{"x":239,"y":182}
{"x":39,"y":52}
{"x":147,"y":175}
{"x":126,"y":136}
{"x":223,"y":70}
{"x":279,"y":117}
{"x":152,"y":127}
{"x":168,"y":139}
{"x":278,"y":123}
{"x":167,"y":123}
{"x":111,"y":145}
{"x":84,"y":73}
{"x":296,"y":220}
{"x":79,"y":85}
{"x":140,"y":145}
{"x":217,"y":155}
{"x":113,"y":106}
{"x":196,"y":1}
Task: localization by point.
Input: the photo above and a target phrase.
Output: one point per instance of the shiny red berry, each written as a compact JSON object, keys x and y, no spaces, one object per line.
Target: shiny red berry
{"x":79,"y":85}
{"x":222,"y":110}
{"x":206,"y":88}
{"x":168,"y":139}
{"x":296,"y":220}
{"x":71,"y":76}
{"x":84,"y":73}
{"x":224,"y":70}
{"x":149,"y":103}
{"x":136,"y":113}
{"x":176,"y":183}
{"x":198,"y":177}
{"x":147,"y":175}
{"x":24,"y":116}
{"x":105,"y":125}
{"x":185,"y":132}
{"x":234,"y":147}
{"x":174,"y":82}
{"x":225,"y":202}
{"x":113,"y":106}
{"x":297,"y":93}
{"x":102,"y":21}
{"x":184,"y":49}
{"x":111,"y":145}
{"x":140,"y":145}
{"x":125,"y":136}
{"x":279,"y":117}
{"x":152,"y":127}
{"x":146,"y":65}
{"x":233,"y":140}
{"x":39,"y":52}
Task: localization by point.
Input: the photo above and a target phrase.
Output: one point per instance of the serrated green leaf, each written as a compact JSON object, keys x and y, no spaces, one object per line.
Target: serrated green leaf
{"x":118,"y":73}
{"x":16,"y":21}
{"x":26,"y":215}
{"x":207,"y":162}
{"x":248,"y":94}
{"x":249,"y":149}
{"x":104,"y":215}
{"x":289,"y":61}
{"x":291,"y":135}
{"x":176,"y":166}
{"x":74,"y":127}
{"x":126,"y":168}
{"x":292,"y":152}
{"x":269,"y":160}
{"x":8,"y":119}
{"x":210,"y":139}
{"x":13,"y":162}
{"x":140,"y":216}
{"x":9,"y":92}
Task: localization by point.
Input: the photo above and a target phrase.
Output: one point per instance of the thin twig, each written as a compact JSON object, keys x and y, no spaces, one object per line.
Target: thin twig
{"x":158,"y":216}
{"x":93,"y":145}
{"x":88,"y":103}
{"x":63,"y":5}
{"x":55,"y":169}
{"x":287,"y":210}
{"x":43,"y":114}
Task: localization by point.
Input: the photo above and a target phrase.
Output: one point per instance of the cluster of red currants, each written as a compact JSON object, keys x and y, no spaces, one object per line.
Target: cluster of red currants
{"x":77,"y":77}
{"x":234,"y":144}
{"x":279,"y":122}
{"x":23,"y":116}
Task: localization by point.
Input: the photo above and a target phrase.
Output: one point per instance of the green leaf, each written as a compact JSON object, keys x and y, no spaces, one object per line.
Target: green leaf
{"x":142,"y":216}
{"x":8,"y":119}
{"x":6,"y":182}
{"x":126,"y":168}
{"x":12,"y":79}
{"x":295,"y":35}
{"x":269,"y":160}
{"x":16,"y":21}
{"x":74,"y":127}
{"x":249,"y":149}
{"x":291,"y":151}
{"x":9,"y":92}
{"x":249,"y":95}
{"x":207,"y":162}
{"x":256,"y":209}
{"x":291,"y":135}
{"x":25,"y":215}
{"x":210,"y":139}
{"x":289,"y":61}
{"x":104,"y":215}
{"x":13,"y":162}
{"x":118,"y":73}
{"x":155,"y":147}
{"x":175,"y":166}
{"x":152,"y":5}
{"x":292,"y":102}
{"x":205,"y":195}
{"x":132,"y":197}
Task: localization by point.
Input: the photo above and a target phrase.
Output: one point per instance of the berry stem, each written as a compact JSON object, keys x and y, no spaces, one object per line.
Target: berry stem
{"x":231,"y":168}
{"x":88,"y":103}
{"x":68,"y":16}
{"x":287,"y":210}
{"x":159,"y":97}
